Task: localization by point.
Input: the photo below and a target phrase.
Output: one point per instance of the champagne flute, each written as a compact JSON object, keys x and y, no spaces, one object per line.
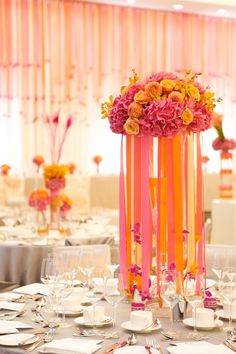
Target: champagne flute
{"x":171,"y":290}
{"x":194,"y":294}
{"x":114,"y":293}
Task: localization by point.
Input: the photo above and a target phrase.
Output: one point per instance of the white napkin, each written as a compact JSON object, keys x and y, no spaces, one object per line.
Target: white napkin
{"x":7,"y":329}
{"x":14,"y":306}
{"x":71,"y":346}
{"x":9,"y":296}
{"x":199,"y":348}
{"x":32,"y":289}
{"x":14,"y":324}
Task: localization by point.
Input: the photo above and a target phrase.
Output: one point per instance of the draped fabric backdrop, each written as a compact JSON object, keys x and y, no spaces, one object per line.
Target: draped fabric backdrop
{"x":68,"y":56}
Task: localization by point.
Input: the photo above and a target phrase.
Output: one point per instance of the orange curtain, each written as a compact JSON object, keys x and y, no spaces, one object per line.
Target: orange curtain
{"x":62,"y":55}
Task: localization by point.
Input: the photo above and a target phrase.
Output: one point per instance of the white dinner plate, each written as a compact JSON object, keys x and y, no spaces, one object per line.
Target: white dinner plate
{"x":134,"y":349}
{"x":127,"y":325}
{"x":189,"y":322}
{"x":220,"y":313}
{"x":80,"y":321}
{"x":13,"y":340}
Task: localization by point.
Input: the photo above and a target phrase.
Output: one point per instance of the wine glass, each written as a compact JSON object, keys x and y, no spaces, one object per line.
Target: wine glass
{"x":86,"y":264}
{"x":171,"y":290}
{"x":112,"y":268}
{"x":228,"y":293}
{"x":114,"y":293}
{"x":194,"y":294}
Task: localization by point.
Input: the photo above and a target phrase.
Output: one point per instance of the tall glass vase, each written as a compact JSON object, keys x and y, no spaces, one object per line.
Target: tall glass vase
{"x":55,"y":210}
{"x":226,"y":175}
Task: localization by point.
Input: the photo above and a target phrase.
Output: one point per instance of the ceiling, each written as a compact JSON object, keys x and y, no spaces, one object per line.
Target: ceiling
{"x":219,"y":8}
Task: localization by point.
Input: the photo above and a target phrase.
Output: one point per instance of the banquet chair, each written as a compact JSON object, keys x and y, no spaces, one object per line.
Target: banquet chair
{"x":96,"y":256}
{"x":222,"y":255}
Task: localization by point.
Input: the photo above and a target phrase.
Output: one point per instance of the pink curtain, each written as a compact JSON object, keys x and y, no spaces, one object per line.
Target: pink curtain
{"x":62,"y":55}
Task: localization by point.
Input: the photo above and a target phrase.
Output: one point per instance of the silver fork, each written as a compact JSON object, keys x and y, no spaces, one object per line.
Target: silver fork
{"x":153,"y":343}
{"x":46,"y":338}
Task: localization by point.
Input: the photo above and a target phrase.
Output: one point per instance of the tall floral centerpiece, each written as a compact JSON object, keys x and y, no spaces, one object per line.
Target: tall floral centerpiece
{"x":224,"y":145}
{"x":54,"y":174}
{"x":160,"y":193}
{"x":39,"y":199}
{"x":97,"y":159}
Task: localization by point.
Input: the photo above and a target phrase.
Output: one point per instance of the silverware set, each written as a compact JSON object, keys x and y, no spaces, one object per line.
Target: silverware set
{"x":47,"y":337}
{"x":80,"y":332}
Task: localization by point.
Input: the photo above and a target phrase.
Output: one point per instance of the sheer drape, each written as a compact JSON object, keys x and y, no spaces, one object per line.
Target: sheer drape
{"x":68,"y":56}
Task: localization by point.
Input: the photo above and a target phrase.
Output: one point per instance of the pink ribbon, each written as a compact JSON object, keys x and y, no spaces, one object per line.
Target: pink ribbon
{"x":146,"y":215}
{"x":122,"y":218}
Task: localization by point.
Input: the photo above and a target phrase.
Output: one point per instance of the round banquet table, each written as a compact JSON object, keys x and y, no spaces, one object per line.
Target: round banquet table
{"x":215,"y":336}
{"x":22,"y":264}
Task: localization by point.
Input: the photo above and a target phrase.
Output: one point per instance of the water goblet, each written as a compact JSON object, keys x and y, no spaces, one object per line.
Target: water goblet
{"x":114,"y":293}
{"x":171,"y":290}
{"x":194,"y":294}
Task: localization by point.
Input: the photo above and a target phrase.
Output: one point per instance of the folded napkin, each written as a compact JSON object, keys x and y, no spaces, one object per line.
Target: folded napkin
{"x":71,"y":346}
{"x":5,"y":305}
{"x":14,"y":324}
{"x":7,"y":329}
{"x":32,"y":289}
{"x":199,"y":348}
{"x":8,"y":296}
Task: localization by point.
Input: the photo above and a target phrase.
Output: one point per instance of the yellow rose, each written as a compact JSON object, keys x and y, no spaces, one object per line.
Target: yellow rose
{"x":153,"y":89}
{"x":176,"y":96}
{"x":187,"y":116}
{"x":142,"y":97}
{"x":135,"y":110}
{"x":167,"y":85}
{"x":193,"y":91}
{"x":131,"y":126}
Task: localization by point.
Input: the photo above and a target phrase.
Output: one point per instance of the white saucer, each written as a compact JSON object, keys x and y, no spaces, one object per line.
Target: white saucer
{"x":134,"y":349}
{"x":220,"y":313}
{"x":80,"y":321}
{"x":189,"y":322}
{"x":71,"y":313}
{"x":127,"y":325}
{"x":13,"y":340}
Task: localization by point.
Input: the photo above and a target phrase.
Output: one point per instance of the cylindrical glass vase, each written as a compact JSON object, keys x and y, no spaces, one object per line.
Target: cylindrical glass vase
{"x":55,"y":210}
{"x":226,"y":175}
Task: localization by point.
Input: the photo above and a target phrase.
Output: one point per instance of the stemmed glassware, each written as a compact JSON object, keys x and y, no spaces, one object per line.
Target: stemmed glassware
{"x":171,"y":290}
{"x":194,"y":294}
{"x":114,"y":293}
{"x":228,"y":293}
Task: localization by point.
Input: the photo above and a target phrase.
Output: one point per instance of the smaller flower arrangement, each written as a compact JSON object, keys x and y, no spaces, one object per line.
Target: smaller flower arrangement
{"x":39,"y":199}
{"x":5,"y":169}
{"x":54,"y":176}
{"x":221,"y":142}
{"x":97,"y":159}
{"x":38,"y":160}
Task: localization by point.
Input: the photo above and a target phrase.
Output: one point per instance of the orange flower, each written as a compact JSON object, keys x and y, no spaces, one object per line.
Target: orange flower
{"x":153,"y":89}
{"x":167,"y":85}
{"x":5,"y":169}
{"x":176,"y":96}
{"x":38,"y":160}
{"x":97,"y":159}
{"x":142,"y":97}
{"x":205,"y":159}
{"x":135,"y":110}
{"x":131,"y":126}
{"x":187,"y":116}
{"x":71,"y":167}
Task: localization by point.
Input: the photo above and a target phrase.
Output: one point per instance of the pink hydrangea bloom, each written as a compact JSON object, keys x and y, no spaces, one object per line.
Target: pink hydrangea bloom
{"x":223,"y":145}
{"x":55,"y":184}
{"x":201,"y":119}
{"x":119,"y":112}
{"x":162,"y":118}
{"x":158,"y":77}
{"x":200,"y":87}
